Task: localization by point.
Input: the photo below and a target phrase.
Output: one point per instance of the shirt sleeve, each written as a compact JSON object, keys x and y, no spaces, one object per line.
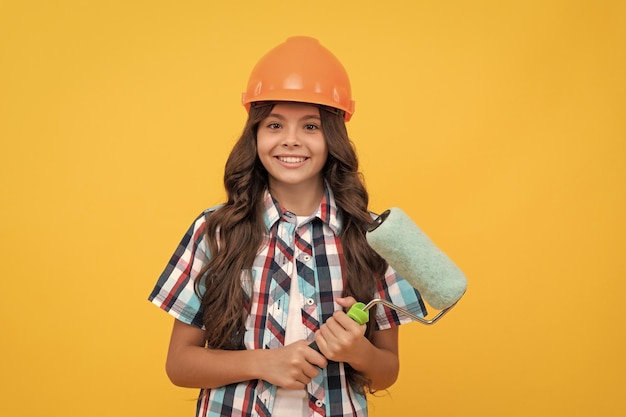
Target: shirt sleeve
{"x":176,"y":289}
{"x":398,"y":291}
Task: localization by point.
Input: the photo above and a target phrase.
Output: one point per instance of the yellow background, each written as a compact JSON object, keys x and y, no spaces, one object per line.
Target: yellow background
{"x":498,"y":126}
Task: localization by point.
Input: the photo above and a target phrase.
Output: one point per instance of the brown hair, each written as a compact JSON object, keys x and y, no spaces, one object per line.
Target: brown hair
{"x":224,"y":303}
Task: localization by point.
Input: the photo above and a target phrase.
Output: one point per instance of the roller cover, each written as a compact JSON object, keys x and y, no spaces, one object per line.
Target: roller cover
{"x":410,"y":252}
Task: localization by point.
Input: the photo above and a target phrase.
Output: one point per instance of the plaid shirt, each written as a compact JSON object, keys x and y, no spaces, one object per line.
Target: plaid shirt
{"x":315,"y":250}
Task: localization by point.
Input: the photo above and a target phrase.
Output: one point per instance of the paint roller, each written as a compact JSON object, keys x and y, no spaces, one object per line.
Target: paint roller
{"x":396,"y":238}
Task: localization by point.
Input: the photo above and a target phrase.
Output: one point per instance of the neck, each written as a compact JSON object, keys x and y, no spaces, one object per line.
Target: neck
{"x":301,"y":201}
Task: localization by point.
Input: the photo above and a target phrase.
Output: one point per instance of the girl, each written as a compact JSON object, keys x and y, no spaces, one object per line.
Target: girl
{"x":257,"y":279}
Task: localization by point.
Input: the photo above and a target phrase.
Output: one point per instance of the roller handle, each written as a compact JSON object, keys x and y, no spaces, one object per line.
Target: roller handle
{"x":356,"y":313}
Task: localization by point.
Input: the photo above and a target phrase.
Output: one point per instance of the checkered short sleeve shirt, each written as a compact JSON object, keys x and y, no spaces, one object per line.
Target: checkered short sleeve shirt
{"x":314,"y":249}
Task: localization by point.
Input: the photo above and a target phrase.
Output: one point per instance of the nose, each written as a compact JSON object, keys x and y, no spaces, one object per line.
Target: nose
{"x":291,"y":138}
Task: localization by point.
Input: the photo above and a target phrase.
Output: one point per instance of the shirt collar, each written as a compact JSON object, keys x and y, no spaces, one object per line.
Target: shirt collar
{"x":327,"y":211}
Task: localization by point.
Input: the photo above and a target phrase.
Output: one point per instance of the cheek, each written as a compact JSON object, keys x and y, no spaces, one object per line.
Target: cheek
{"x":263,"y":152}
{"x":319,"y":146}
{"x":324,"y":150}
{"x":325,"y":157}
{"x":261,"y":147}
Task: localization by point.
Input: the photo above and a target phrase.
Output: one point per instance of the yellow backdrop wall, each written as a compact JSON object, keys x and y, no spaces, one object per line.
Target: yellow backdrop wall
{"x":498,"y":126}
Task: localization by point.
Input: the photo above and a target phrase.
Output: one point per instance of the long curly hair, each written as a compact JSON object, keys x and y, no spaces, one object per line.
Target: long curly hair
{"x":224,"y":302}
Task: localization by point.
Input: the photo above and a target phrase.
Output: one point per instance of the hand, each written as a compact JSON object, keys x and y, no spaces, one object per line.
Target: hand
{"x":341,"y":339}
{"x":292,"y":366}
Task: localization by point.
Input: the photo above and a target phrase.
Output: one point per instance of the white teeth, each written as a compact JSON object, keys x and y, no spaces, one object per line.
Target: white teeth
{"x":291,"y":159}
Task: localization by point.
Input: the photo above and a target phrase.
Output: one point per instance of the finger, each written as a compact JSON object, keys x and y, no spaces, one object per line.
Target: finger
{"x":345,"y":302}
{"x":310,"y":371}
{"x":342,"y":333}
{"x":317,"y":359}
{"x":336,"y":338}
{"x":304,"y":379}
{"x":332,"y":329}
{"x":321,"y":344}
{"x":315,"y":355}
{"x":296,"y":384}
{"x":345,"y":322}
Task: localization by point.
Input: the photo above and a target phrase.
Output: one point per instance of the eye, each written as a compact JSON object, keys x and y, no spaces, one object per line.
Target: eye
{"x":274,"y":125}
{"x":311,"y":126}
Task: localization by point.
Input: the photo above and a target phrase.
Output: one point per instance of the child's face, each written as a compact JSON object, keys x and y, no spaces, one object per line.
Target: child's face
{"x":292,"y":147}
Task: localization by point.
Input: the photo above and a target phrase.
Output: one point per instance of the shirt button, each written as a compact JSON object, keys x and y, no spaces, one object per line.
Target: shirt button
{"x":319,"y":403}
{"x":306,"y":258}
{"x":310,"y":301}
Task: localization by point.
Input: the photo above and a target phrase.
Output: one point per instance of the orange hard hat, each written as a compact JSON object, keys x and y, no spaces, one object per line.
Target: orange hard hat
{"x":300,"y":69}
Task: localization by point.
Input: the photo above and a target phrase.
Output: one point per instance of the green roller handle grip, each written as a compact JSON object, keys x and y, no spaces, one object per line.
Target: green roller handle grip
{"x":356,"y":313}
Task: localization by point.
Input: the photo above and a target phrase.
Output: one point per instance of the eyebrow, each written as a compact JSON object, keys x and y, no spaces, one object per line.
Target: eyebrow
{"x":305,"y":117}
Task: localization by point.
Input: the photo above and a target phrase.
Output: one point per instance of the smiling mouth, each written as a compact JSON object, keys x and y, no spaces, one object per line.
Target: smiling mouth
{"x":291,"y":159}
